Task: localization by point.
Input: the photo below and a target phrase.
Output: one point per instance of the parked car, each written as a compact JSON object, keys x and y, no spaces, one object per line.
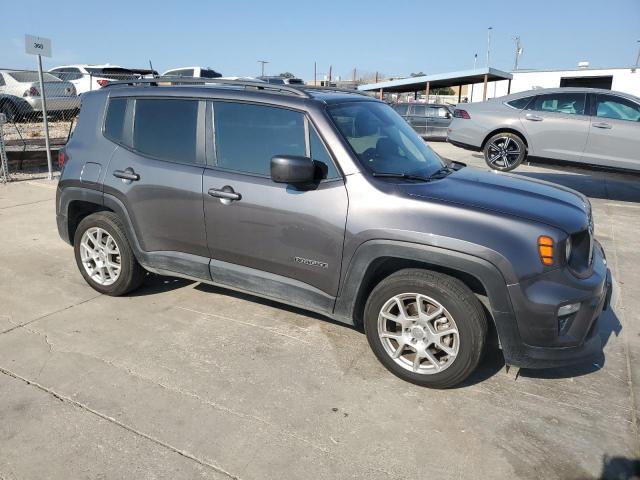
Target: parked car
{"x":429,"y":120}
{"x":259,"y":202}
{"x":20,"y":95}
{"x":86,"y":78}
{"x":197,"y":72}
{"x":598,"y":127}
{"x":276,"y":80}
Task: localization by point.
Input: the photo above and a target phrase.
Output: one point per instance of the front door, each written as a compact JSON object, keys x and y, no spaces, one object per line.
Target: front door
{"x":157,"y":174}
{"x":263,"y":236}
{"x":557,"y":126}
{"x":614,"y":136}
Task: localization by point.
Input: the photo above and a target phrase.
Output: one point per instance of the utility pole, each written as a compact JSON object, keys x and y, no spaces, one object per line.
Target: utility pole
{"x":315,"y":74}
{"x":475,"y":61}
{"x":330,"y":67}
{"x":518,"y":52}
{"x":489,"y":45}
{"x":638,"y":57}
{"x":262,"y":62}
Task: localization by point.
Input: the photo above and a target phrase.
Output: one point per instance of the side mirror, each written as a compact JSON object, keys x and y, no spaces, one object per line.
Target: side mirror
{"x":447,"y":115}
{"x":292,"y":169}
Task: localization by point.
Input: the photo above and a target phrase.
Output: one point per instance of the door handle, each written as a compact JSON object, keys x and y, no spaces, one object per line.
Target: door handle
{"x":533,"y":118}
{"x":126,"y":174}
{"x":225,"y":193}
{"x":604,"y":125}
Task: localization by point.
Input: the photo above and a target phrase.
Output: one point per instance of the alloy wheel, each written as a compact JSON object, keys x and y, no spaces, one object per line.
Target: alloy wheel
{"x":418,"y":333}
{"x":100,"y":256}
{"x":503,"y":152}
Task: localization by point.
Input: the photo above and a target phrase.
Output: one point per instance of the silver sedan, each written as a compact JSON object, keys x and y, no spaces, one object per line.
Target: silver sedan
{"x":598,"y":127}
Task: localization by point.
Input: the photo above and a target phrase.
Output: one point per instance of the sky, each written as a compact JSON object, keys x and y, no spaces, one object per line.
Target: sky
{"x":395,"y":37}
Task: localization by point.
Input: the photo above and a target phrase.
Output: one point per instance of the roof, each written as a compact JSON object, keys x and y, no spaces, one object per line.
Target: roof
{"x":464,"y":77}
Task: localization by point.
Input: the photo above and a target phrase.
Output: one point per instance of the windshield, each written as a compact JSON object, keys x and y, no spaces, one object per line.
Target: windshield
{"x":383,"y":141}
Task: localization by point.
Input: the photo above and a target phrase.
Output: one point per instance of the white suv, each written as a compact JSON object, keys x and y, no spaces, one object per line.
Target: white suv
{"x":93,"y":77}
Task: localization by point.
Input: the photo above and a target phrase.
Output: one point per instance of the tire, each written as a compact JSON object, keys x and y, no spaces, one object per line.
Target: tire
{"x":107,"y":278}
{"x":504,"y":151}
{"x":10,"y":111}
{"x":461,"y":311}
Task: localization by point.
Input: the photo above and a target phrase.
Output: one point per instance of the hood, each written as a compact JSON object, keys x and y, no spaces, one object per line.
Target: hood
{"x":508,"y":194}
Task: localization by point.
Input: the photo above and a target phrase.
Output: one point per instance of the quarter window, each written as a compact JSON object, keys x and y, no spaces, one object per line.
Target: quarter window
{"x":319,"y":153}
{"x":609,"y":106}
{"x":247,"y":136}
{"x":568,"y":103}
{"x":114,"y":122}
{"x":166,"y":129}
{"x":519,"y":103}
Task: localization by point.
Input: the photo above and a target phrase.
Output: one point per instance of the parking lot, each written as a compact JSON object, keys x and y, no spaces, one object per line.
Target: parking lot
{"x":186,"y":380}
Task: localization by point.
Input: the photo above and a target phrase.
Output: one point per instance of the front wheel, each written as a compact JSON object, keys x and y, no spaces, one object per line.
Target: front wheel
{"x":504,"y":151}
{"x":426,"y":327}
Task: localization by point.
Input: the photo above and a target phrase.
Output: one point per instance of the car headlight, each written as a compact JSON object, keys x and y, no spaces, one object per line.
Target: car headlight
{"x":567,"y":249}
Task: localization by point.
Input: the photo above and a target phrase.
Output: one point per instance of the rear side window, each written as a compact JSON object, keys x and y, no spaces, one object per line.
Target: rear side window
{"x":570,"y":103}
{"x":114,"y":121}
{"x":401,"y":108}
{"x":519,"y":103}
{"x":247,"y":136}
{"x":419,"y":110}
{"x":204,"y":73}
{"x":166,"y":129}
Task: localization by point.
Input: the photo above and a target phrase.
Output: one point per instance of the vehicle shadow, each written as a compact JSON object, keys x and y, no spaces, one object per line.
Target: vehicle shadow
{"x":155,"y":284}
{"x":594,"y":184}
{"x":620,"y":468}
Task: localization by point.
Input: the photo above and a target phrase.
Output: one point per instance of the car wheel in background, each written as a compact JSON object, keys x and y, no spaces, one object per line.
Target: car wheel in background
{"x":504,"y":151}
{"x":10,"y":111}
{"x":104,"y":256}
{"x":426,"y":327}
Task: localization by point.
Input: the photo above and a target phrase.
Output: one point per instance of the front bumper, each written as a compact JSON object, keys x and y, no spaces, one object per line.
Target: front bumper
{"x":540,"y":338}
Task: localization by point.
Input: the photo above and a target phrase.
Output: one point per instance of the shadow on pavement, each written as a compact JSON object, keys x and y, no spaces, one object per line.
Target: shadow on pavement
{"x":620,"y":468}
{"x":155,"y":284}
{"x":594,"y":184}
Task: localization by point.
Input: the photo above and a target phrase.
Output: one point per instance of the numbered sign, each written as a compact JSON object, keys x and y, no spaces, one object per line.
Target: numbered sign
{"x":37,"y":45}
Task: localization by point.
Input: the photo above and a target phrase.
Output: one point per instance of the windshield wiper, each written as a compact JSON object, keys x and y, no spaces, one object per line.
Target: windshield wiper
{"x":441,"y":172}
{"x":407,"y":176}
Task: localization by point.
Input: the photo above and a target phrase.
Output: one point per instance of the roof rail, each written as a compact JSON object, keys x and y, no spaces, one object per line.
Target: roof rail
{"x":154,"y":82}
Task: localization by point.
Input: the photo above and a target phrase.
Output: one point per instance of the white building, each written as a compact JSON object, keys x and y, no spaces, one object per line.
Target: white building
{"x":625,"y":80}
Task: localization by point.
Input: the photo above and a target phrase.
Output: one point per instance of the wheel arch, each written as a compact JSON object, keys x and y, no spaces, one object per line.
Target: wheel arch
{"x":505,"y":130}
{"x":78,"y":210}
{"x":377,"y":259}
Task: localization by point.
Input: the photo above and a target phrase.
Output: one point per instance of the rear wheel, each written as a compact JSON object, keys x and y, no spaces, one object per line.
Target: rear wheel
{"x":504,"y":151}
{"x":104,"y":256}
{"x":10,"y":111}
{"x":426,"y":327}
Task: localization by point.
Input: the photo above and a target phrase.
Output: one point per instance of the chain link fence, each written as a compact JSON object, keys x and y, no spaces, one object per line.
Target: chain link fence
{"x":21,"y":102}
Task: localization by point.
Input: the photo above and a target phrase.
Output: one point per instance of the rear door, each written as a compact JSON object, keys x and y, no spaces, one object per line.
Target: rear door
{"x":438,"y":120}
{"x":614,"y":135}
{"x":418,"y":118}
{"x":294,"y":235}
{"x":557,"y":125}
{"x":157,"y":174}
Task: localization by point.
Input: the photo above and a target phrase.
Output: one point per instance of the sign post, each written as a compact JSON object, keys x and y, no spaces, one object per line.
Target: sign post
{"x":41,"y":46}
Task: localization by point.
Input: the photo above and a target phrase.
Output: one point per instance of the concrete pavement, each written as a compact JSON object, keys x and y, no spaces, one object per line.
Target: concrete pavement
{"x":185,"y":380}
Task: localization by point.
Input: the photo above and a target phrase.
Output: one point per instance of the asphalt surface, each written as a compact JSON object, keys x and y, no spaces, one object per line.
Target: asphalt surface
{"x":184,"y":380}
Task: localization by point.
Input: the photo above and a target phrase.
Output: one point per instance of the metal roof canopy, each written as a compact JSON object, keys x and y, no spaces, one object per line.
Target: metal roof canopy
{"x":451,"y":79}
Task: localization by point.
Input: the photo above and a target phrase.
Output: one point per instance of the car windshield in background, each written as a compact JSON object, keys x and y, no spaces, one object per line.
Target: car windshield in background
{"x":383,"y":141}
{"x":29,"y":77}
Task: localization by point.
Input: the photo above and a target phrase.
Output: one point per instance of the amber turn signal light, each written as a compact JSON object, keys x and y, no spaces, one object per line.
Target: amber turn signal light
{"x":545,"y":249}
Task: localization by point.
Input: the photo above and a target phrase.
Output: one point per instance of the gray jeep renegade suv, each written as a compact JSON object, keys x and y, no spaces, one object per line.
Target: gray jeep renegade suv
{"x":329,"y":201}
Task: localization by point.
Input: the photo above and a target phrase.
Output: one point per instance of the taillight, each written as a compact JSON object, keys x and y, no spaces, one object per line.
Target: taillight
{"x":459,"y":113}
{"x":61,"y":159}
{"x":32,"y":92}
{"x":102,"y":83}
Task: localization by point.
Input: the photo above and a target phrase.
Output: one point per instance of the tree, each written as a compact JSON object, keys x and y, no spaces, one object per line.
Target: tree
{"x":442,"y":91}
{"x":287,"y":75}
{"x":419,"y":74}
